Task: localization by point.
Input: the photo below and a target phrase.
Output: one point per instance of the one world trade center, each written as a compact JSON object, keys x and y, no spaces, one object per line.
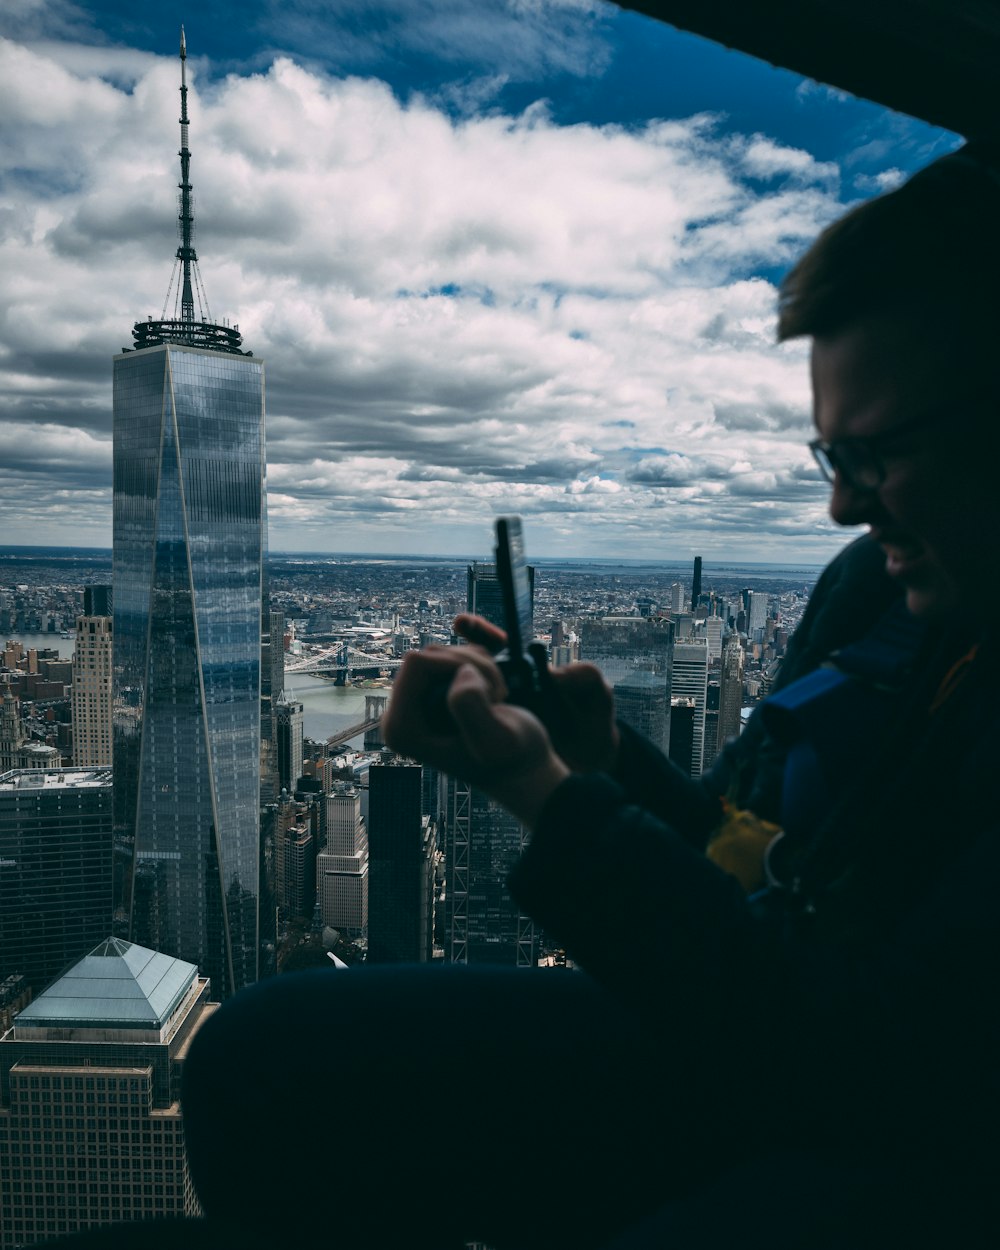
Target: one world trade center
{"x":189,"y":544}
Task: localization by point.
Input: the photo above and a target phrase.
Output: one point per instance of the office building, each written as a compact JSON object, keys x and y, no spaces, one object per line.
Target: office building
{"x":55,"y":869}
{"x":295,"y":861}
{"x":483,"y":591}
{"x":713,"y":636}
{"x":483,"y":924}
{"x":633,"y":654}
{"x":621,"y":646}
{"x":696,"y":584}
{"x":15,"y":994}
{"x":272,"y":687}
{"x":756,"y":615}
{"x":342,"y":866}
{"x":483,"y":596}
{"x":731,"y":690}
{"x":642,"y":702}
{"x":189,"y":533}
{"x":689,"y":679}
{"x":682,"y":715}
{"x":90,"y":1116}
{"x":712,"y":745}
{"x":92,"y":682}
{"x":12,"y":737}
{"x":290,"y":725}
{"x":483,"y":840}
{"x":97,"y":600}
{"x":401,"y":847}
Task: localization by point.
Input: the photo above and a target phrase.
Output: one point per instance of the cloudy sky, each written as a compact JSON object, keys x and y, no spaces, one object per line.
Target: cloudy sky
{"x":507,"y":257}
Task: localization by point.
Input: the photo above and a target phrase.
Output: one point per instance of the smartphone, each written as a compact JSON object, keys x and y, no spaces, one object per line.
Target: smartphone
{"x":522,"y":658}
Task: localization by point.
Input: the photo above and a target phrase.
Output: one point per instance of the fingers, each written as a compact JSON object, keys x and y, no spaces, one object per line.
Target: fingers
{"x":583,"y":678}
{"x":417,"y":721}
{"x":447,"y":709}
{"x":481,"y":719}
{"x":478,"y":630}
{"x":512,"y":757}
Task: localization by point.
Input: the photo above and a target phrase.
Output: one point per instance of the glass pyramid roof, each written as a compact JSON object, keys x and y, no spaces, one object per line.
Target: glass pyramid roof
{"x":118,"y":985}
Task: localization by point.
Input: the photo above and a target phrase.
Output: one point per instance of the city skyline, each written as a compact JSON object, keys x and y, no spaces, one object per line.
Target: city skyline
{"x":519,"y":261}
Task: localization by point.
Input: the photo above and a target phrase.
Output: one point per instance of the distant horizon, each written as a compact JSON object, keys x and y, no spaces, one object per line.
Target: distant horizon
{"x":16,"y":549}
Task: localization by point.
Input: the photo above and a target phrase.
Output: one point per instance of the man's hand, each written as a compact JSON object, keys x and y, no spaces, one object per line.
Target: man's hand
{"x":578,"y":707}
{"x":447,"y":710}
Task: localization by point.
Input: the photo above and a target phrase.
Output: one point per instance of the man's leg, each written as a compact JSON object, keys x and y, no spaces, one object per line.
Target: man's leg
{"x":427,"y":1106}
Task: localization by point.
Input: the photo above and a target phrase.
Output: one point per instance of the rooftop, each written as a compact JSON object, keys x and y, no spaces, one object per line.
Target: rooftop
{"x":118,"y":985}
{"x":53,"y":778}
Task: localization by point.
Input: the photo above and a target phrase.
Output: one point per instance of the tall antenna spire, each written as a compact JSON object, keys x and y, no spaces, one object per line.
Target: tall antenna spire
{"x":185,"y":327}
{"x":185,"y":252}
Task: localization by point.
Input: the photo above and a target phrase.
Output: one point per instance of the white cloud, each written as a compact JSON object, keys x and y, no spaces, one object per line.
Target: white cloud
{"x":875,"y":184}
{"x":764,"y":158}
{"x":459,"y":315}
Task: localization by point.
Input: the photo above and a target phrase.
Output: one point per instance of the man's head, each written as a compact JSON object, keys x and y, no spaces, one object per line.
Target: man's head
{"x":902,"y":300}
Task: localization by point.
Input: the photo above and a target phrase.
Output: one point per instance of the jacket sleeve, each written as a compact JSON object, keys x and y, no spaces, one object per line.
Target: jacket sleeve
{"x":650,"y":780}
{"x":900,"y":1034}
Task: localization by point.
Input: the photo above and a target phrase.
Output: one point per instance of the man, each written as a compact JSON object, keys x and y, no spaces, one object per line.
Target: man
{"x":818,"y":1064}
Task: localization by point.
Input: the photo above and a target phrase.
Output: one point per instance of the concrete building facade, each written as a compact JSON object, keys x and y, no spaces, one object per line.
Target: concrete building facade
{"x":92,"y":692}
{"x":90,"y":1118}
{"x":342,"y":867}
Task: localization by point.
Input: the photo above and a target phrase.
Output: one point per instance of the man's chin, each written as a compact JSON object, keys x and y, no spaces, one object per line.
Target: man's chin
{"x":931,"y":603}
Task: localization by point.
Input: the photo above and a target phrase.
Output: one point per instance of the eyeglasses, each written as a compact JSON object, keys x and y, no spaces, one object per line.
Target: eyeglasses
{"x":861,"y":462}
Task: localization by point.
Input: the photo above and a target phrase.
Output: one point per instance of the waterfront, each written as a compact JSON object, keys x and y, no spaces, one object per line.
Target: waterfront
{"x":38,"y":642}
{"x":328,"y":708}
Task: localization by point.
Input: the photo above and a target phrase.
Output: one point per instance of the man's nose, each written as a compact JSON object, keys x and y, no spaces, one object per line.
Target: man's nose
{"x":851,"y":504}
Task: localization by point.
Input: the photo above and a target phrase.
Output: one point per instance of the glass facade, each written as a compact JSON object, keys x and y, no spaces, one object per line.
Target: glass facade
{"x":55,"y":869}
{"x":189,"y":532}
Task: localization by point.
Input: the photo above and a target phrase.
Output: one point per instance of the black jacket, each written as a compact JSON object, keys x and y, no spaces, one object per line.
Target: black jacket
{"x":866,"y":1022}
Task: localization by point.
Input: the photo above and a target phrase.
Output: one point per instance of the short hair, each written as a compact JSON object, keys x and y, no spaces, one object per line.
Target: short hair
{"x":932,"y":242}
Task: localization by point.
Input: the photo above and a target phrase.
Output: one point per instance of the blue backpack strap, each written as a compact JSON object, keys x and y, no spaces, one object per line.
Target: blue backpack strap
{"x":826,"y":720}
{"x":885,"y":656}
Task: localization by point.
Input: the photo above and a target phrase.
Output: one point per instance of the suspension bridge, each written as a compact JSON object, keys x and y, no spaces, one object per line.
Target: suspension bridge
{"x":374,"y":707}
{"x":342,"y":662}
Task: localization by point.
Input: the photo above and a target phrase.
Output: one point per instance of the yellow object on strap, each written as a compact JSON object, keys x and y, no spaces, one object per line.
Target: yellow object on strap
{"x":739,"y":844}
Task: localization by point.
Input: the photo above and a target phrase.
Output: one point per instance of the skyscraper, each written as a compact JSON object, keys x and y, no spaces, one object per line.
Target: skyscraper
{"x":682,"y":712}
{"x":402,"y":843}
{"x":677,"y":603}
{"x":189,"y":535}
{"x":91,"y":1069}
{"x":55,"y":868}
{"x":621,"y":646}
{"x":290,"y":730}
{"x":689,"y":679}
{"x":641,"y":701}
{"x":756,"y":615}
{"x":295,"y":860}
{"x":342,"y":867}
{"x":483,"y":842}
{"x":713,"y":636}
{"x":272,"y":686}
{"x":92,"y":665}
{"x":483,"y":593}
{"x":731,"y":690}
{"x":11,"y":731}
{"x":633,"y":653}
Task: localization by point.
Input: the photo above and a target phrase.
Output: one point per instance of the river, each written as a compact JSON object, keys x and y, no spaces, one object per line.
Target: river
{"x":37,"y":642}
{"x":328,"y":708}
